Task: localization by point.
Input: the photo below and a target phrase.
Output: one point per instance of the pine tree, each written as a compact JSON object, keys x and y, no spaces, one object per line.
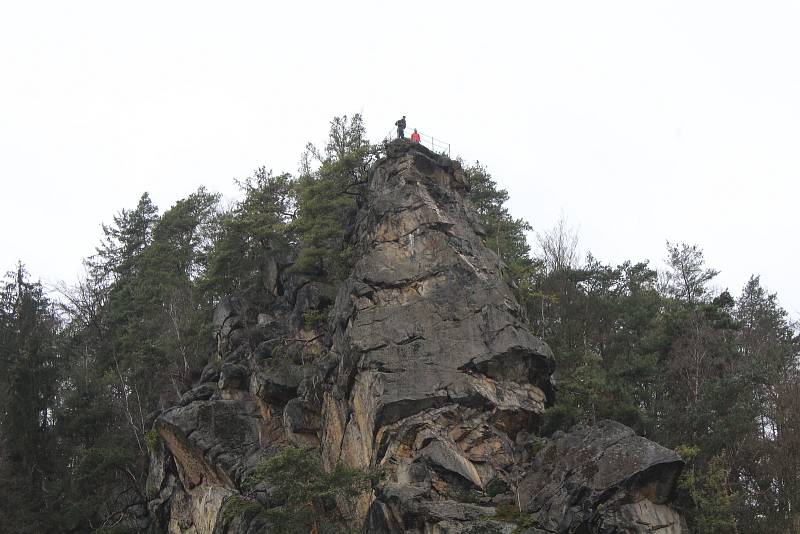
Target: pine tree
{"x":768,"y":467}
{"x":504,"y":234}
{"x":29,"y":387}
{"x":327,"y":199}
{"x":253,"y":239}
{"x":711,"y":498}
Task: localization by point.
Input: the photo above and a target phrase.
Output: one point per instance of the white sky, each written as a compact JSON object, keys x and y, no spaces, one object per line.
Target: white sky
{"x":641,"y":121}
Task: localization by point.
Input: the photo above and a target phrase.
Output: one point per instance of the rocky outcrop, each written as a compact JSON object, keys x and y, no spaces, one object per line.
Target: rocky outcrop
{"x":437,"y":373}
{"x":603,"y":478}
{"x":426,"y":370}
{"x":246,"y":406}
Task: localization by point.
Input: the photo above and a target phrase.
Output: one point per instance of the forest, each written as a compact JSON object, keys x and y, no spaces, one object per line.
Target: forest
{"x":85,"y":368}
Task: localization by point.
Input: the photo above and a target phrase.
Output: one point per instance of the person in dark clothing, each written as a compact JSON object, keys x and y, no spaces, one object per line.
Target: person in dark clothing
{"x":401,"y":126}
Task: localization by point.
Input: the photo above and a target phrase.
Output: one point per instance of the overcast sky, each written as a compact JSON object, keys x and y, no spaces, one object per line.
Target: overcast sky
{"x":640,"y":121}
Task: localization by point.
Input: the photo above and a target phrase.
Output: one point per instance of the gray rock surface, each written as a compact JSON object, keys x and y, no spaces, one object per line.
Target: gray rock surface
{"x":603,"y":478}
{"x":437,"y":371}
{"x":233,"y":419}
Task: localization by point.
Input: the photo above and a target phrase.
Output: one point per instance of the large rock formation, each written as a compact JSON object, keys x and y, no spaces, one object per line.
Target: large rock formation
{"x":437,"y":374}
{"x":427,"y":371}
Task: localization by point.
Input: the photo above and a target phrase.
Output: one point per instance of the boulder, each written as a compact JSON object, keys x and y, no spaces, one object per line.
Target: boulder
{"x":202,"y":392}
{"x":233,"y":376}
{"x":600,"y":478}
{"x":229,"y":315}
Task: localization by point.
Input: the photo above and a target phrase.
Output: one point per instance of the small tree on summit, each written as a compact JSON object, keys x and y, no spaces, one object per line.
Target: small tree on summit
{"x":327,"y":198}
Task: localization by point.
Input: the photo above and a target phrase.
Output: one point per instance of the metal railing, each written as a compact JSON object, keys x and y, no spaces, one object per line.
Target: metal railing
{"x":428,"y":141}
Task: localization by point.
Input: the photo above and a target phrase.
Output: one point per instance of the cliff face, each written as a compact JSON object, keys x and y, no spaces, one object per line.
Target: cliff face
{"x":437,"y":374}
{"x":429,"y":373}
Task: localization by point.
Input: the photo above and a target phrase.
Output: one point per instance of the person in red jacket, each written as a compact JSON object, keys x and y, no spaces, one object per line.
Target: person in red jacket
{"x":415,"y":136}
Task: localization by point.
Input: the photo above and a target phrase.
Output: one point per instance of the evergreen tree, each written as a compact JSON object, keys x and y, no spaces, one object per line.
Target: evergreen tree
{"x":102,"y":455}
{"x":504,"y":234}
{"x":124,"y":241}
{"x":175,"y":313}
{"x":29,"y":388}
{"x":327,"y":199}
{"x":137,"y":326}
{"x":599,"y":319}
{"x":154,"y":316}
{"x":687,"y":278}
{"x":253,"y":239}
{"x":767,"y":473}
{"x":711,"y":498}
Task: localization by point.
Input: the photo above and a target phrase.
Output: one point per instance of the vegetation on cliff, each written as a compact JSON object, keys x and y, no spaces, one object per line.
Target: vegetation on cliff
{"x":303,"y":493}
